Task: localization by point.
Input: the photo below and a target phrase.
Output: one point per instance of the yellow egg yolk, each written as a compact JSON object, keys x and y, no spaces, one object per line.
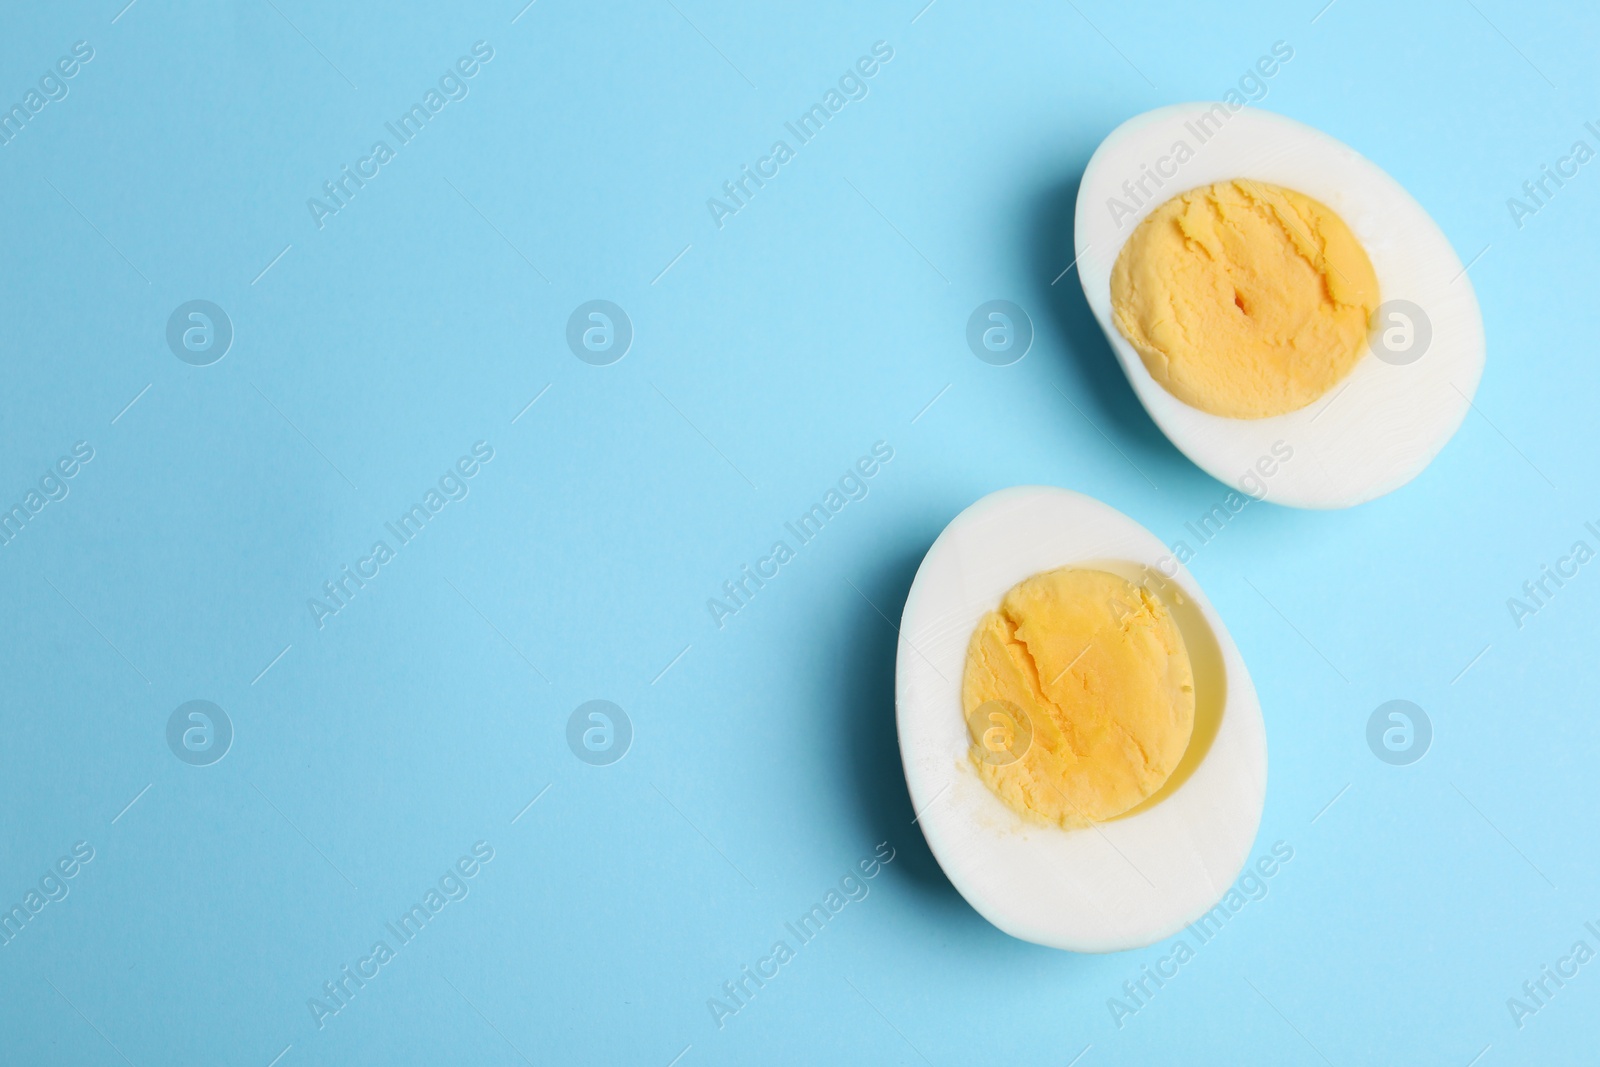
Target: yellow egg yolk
{"x":1244,"y":299}
{"x":1078,"y":695}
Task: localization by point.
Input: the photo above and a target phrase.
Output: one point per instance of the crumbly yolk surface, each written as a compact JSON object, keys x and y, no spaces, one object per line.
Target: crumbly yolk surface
{"x":1078,"y":696}
{"x":1244,"y":299}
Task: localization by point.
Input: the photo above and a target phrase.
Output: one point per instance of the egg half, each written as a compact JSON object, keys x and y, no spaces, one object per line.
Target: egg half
{"x":1118,"y":884}
{"x":1407,"y":394}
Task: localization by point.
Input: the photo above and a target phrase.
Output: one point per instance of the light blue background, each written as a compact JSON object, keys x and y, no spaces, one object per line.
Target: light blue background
{"x":823,"y":317}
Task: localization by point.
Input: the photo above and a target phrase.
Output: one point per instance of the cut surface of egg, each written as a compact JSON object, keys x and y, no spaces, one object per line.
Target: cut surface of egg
{"x":1117,"y":884}
{"x":1381,"y":424}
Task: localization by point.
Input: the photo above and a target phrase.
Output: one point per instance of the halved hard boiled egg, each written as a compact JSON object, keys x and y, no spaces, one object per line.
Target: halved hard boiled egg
{"x":1073,"y":878}
{"x":1247,"y":353}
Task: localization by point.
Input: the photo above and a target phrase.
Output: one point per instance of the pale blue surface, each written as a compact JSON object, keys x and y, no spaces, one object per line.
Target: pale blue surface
{"x":377,"y":750}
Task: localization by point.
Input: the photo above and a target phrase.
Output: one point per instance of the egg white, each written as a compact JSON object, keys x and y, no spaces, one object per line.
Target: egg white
{"x":1123,"y":883}
{"x":1382,"y":425}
